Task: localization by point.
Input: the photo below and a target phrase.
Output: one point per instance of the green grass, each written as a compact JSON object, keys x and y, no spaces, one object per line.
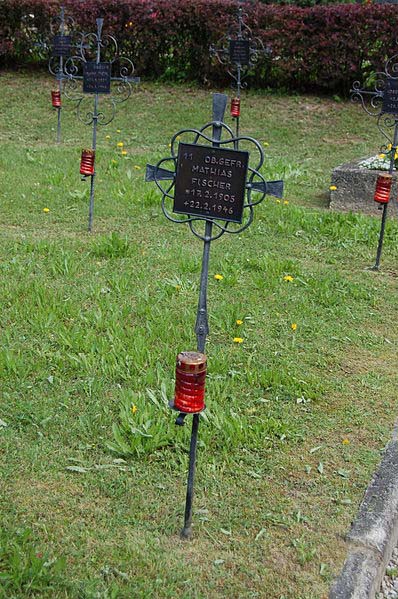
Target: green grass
{"x":93,"y":495}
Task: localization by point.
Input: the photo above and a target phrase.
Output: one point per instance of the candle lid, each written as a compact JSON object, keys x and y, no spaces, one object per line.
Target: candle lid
{"x":191,"y":361}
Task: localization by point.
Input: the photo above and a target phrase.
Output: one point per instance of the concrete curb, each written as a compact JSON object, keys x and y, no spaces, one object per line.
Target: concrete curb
{"x":373,"y":534}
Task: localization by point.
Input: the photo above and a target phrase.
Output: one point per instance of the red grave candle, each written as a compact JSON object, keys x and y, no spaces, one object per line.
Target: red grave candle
{"x":56,"y":98}
{"x":383,"y":189}
{"x":235,"y":107}
{"x":87,"y":162}
{"x":190,"y":382}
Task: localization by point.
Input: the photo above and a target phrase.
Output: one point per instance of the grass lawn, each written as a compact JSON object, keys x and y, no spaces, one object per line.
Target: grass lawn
{"x":92,"y":494}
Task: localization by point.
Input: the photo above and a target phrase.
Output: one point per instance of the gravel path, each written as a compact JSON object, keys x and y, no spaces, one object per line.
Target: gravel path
{"x":389,"y":586}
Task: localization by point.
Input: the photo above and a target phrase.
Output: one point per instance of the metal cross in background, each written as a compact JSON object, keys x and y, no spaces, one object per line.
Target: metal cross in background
{"x":63,"y":43}
{"x":96,"y":68}
{"x":61,"y":49}
{"x":239,"y":51}
{"x":210,"y":187}
{"x":382,"y":103}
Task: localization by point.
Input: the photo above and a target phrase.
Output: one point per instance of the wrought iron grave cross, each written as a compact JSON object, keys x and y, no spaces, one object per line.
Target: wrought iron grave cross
{"x":213,"y":187}
{"x":96,"y":68}
{"x":63,"y":43}
{"x":382,"y":103}
{"x":239,"y":51}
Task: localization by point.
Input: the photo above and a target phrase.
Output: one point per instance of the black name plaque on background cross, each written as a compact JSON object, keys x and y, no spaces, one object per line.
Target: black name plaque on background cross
{"x":239,"y":51}
{"x":210,"y":182}
{"x":390,"y":97}
{"x":62,"y":45}
{"x":97,"y":78}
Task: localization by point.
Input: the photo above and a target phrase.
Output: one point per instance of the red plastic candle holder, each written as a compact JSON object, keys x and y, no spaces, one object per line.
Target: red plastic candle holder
{"x":235,"y":107}
{"x":87,"y":163}
{"x":56,"y":98}
{"x":383,"y":189}
{"x":189,"y":393}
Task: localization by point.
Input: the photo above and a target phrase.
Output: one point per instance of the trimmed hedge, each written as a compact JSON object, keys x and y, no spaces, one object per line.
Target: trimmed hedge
{"x":322,"y":48}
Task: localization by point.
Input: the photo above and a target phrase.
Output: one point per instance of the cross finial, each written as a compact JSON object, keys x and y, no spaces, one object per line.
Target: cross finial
{"x":219,"y":106}
{"x":100,"y":23}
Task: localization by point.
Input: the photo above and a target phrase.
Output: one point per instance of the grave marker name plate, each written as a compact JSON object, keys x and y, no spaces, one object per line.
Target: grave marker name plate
{"x":97,"y":78}
{"x":390,"y":97}
{"x":239,"y":51}
{"x":62,"y":45}
{"x":210,"y":182}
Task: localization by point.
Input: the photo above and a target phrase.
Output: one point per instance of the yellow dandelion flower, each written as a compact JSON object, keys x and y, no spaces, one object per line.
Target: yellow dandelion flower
{"x":382,"y":156}
{"x":389,"y":147}
{"x":120,"y":144}
{"x":293,"y":326}
{"x":265,"y":143}
{"x":333,"y":188}
{"x":136,"y":166}
{"x":288,"y":278}
{"x":124,"y":152}
{"x":107,"y":136}
{"x":178,"y":287}
{"x":169,"y":145}
{"x":278,"y":201}
{"x":239,"y":322}
{"x":286,"y":202}
{"x":118,"y":130}
{"x":114,"y":161}
{"x":238,"y":340}
{"x":46,"y":210}
{"x":218,"y":277}
{"x":345,"y":441}
{"x":133,"y":409}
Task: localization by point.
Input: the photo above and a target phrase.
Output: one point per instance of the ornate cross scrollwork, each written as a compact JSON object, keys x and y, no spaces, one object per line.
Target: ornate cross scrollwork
{"x":382,"y":101}
{"x":239,"y":50}
{"x":98,"y":48}
{"x":215,"y":133}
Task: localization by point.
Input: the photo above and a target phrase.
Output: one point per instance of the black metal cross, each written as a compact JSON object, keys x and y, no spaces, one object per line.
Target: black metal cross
{"x":97,"y":78}
{"x":239,"y":51}
{"x":382,"y":103}
{"x":61,"y":47}
{"x":219,"y":189}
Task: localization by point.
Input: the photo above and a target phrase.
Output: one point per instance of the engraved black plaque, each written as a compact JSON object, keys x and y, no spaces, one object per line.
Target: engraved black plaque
{"x":390,"y":97}
{"x":97,"y":78}
{"x":210,"y":182}
{"x":239,"y":51}
{"x":62,"y":45}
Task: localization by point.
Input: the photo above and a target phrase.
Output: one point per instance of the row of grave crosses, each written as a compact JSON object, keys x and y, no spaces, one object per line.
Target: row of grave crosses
{"x":93,"y":60}
{"x":208,"y":182}
{"x":89,"y":63}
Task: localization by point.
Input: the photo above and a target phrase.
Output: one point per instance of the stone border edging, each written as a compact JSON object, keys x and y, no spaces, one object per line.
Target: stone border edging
{"x":373,"y":534}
